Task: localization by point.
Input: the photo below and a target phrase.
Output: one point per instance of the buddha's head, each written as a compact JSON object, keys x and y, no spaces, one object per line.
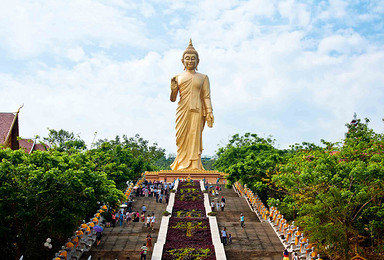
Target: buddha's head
{"x":190,"y":57}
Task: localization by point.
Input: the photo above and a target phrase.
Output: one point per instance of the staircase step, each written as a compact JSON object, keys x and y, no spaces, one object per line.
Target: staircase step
{"x":256,"y":241}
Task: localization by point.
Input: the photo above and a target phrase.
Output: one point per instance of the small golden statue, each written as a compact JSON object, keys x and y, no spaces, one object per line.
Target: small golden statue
{"x":193,"y":109}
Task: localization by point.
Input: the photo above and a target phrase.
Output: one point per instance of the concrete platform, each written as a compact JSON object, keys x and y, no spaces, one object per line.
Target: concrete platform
{"x":169,"y":175}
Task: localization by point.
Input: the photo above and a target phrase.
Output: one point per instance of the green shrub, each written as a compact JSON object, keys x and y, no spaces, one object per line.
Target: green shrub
{"x":166,"y":213}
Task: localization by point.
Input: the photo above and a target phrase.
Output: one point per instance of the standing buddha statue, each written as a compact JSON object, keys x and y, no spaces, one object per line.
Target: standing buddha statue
{"x":193,"y":110}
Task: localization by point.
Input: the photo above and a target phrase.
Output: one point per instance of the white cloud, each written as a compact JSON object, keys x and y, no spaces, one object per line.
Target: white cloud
{"x":343,"y":44}
{"x":333,"y":9}
{"x":268,"y":75}
{"x":147,"y":10}
{"x":75,"y":54}
{"x":32,"y":28}
{"x":297,"y":13}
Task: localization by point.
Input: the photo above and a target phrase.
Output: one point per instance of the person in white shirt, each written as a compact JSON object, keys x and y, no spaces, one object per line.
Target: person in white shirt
{"x":148,"y":222}
{"x":222,"y":204}
{"x":224,"y":235}
{"x":153,"y":221}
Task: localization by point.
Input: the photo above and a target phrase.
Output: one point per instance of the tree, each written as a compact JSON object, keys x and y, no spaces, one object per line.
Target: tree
{"x":63,"y":140}
{"x":250,"y":160}
{"x":164,"y":163}
{"x":208,"y":162}
{"x":47,"y":194}
{"x":338,"y":192}
{"x":333,"y":192}
{"x":125,"y":159}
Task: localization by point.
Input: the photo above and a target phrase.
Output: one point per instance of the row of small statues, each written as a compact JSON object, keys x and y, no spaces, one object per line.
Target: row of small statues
{"x":85,"y":236}
{"x":82,"y":240}
{"x":290,"y":235}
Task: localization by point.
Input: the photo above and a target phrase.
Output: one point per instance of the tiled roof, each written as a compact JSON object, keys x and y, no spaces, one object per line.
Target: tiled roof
{"x":29,"y":145}
{"x":40,"y":147}
{"x":26,"y":144}
{"x":6,"y":120}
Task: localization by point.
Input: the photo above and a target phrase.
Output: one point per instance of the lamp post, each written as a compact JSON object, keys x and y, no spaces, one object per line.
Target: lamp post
{"x":48,"y":244}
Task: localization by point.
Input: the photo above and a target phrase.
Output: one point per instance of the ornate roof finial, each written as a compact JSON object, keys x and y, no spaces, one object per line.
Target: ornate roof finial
{"x":19,"y":109}
{"x":354,"y":120}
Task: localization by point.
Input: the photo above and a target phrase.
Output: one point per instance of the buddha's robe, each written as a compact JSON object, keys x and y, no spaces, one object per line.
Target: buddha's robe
{"x":193,"y":106}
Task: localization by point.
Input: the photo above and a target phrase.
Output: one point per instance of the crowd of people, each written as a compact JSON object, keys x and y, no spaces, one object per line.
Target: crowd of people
{"x":157,"y":189}
{"x":217,"y":205}
{"x":126,"y":215}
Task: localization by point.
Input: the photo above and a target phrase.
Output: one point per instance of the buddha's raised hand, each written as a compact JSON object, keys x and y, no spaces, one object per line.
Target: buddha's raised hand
{"x":174,"y":83}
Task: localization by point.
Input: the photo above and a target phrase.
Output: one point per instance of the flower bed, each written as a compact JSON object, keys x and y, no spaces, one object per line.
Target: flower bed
{"x":185,"y":213}
{"x":189,"y":235}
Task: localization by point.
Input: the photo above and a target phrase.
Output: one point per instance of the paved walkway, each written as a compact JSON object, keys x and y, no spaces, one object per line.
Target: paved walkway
{"x":122,"y":242}
{"x":256,"y":241}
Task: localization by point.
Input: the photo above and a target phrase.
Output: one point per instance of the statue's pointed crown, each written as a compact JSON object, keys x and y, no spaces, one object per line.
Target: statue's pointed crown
{"x":190,"y":48}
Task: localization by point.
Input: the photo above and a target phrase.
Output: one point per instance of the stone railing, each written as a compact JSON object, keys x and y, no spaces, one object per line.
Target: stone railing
{"x":290,"y":235}
{"x":85,"y":236}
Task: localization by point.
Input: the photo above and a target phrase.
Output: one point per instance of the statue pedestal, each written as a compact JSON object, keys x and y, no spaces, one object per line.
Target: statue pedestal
{"x":210,"y":176}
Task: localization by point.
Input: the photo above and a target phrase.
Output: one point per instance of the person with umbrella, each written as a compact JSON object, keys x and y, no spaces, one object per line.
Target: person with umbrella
{"x":98,"y":230}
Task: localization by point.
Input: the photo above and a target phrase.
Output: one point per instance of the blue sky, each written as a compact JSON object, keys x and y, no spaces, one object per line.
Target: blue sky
{"x":296,"y":70}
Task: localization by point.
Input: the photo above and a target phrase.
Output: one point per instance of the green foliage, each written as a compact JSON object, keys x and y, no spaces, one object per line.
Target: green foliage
{"x":338,"y":191}
{"x":250,"y":160}
{"x":334,"y":193}
{"x":138,"y":146}
{"x":208,"y":162}
{"x":63,"y":140}
{"x":125,"y":159}
{"x":164,"y":162}
{"x":48,"y":194}
{"x":166,"y":213}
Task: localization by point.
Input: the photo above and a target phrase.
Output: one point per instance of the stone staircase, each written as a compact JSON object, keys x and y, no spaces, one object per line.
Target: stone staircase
{"x":256,"y":241}
{"x":122,"y":242}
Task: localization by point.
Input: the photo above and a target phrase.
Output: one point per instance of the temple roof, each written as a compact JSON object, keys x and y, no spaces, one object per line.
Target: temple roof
{"x":27,"y":144}
{"x":30,"y":145}
{"x":6,"y":120}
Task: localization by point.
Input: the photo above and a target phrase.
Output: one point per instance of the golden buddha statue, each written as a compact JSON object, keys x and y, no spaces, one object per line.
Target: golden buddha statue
{"x":193,"y":109}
